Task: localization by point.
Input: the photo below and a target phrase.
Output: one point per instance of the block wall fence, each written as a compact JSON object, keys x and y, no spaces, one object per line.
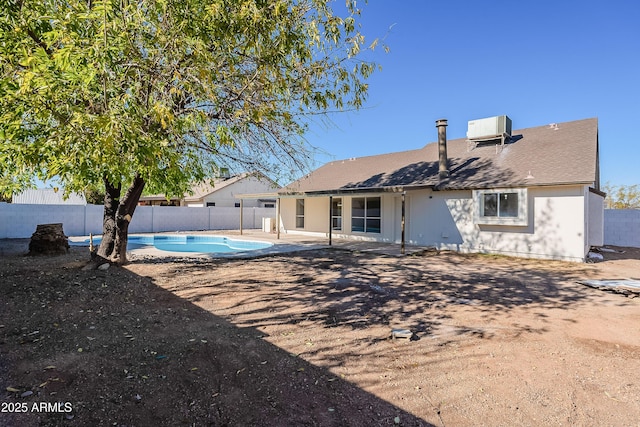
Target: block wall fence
{"x":20,"y":221}
{"x":622,"y":227}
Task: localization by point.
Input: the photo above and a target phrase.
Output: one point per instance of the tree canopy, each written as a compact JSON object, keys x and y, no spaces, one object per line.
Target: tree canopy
{"x":127,"y":94}
{"x":622,"y":196}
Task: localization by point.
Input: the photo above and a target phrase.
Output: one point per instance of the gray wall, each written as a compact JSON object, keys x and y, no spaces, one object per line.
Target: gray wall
{"x":20,"y":221}
{"x":622,"y":227}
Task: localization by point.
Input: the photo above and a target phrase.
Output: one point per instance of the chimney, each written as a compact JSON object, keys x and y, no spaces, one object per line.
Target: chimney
{"x":443,"y":172}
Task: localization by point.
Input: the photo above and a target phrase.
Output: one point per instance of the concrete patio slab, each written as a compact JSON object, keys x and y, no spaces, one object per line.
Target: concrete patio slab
{"x":286,"y":243}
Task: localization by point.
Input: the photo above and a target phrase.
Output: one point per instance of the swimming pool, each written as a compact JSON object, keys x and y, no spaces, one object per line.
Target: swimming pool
{"x":189,"y":243}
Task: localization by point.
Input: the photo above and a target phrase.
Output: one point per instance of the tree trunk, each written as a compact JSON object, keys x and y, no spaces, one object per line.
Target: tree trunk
{"x":111,"y":202}
{"x":126,"y":208}
{"x":117,"y":216}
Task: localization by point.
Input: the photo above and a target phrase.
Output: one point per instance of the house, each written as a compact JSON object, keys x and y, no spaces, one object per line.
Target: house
{"x":47,"y":196}
{"x":221,"y":192}
{"x":530,"y":193}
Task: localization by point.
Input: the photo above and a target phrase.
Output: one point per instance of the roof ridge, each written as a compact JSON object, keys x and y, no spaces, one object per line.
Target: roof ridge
{"x":374,"y":155}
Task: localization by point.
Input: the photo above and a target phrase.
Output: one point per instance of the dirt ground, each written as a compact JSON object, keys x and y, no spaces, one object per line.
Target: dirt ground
{"x":303,"y":339}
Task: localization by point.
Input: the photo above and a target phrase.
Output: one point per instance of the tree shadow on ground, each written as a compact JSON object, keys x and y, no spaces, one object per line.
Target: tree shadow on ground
{"x":124,"y":351}
{"x":363,"y":283}
{"x":365,"y":292}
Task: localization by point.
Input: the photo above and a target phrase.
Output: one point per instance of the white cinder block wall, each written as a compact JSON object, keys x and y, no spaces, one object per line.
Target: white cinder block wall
{"x":20,"y":221}
{"x":622,"y":227}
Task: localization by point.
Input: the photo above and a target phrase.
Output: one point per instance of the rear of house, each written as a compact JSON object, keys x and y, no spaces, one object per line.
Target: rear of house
{"x":531,"y":193}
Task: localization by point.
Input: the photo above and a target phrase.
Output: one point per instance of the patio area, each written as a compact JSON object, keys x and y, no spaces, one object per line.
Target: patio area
{"x":296,"y":242}
{"x":286,"y":243}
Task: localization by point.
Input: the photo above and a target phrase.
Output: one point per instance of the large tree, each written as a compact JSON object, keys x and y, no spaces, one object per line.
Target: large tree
{"x":123,"y":95}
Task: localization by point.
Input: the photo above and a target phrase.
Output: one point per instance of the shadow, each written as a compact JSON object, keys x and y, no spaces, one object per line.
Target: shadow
{"x":142,"y":346}
{"x":362,"y":296}
{"x":420,"y":173}
{"x":472,"y":172}
{"x":613,"y":253}
{"x":547,"y":233}
{"x":513,"y":139}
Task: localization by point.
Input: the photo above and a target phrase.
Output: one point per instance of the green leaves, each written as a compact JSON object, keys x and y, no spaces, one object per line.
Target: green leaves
{"x":169,"y":90}
{"x":622,"y":196}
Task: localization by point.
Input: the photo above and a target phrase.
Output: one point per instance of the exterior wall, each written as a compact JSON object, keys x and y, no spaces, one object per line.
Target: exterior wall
{"x":622,"y":227}
{"x":557,"y":222}
{"x":555,"y":229}
{"x":595,"y":219}
{"x":287,"y":215}
{"x":20,"y":221}
{"x":316,"y":214}
{"x":316,"y":218}
{"x":434,"y":218}
{"x":225,"y":197}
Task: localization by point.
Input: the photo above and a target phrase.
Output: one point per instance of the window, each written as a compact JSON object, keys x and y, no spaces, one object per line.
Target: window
{"x":211,"y":204}
{"x":237,"y":204}
{"x":365,"y":214}
{"x":336,"y":214}
{"x":269,"y":205}
{"x":299,"y":213}
{"x":501,"y":207}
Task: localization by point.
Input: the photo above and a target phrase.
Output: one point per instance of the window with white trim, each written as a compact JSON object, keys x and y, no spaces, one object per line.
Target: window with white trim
{"x":299,"y":213}
{"x":336,"y":214}
{"x":365,"y":214}
{"x":501,"y":207}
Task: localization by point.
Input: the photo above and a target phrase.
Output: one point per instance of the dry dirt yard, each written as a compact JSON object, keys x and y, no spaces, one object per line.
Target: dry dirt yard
{"x":304,"y":339}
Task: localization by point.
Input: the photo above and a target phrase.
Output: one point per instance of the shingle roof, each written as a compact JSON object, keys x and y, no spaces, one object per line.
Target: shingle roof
{"x":200,"y":191}
{"x":203,"y":190}
{"x":566,"y":153}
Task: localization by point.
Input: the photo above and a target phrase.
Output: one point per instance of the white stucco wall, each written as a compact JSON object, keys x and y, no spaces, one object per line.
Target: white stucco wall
{"x":555,"y":229}
{"x":557,"y":222}
{"x":316,"y":216}
{"x":595,"y":219}
{"x":225,"y":197}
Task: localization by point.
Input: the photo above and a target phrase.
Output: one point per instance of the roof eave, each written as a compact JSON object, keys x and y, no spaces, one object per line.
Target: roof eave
{"x":515,"y":185}
{"x":401,"y":188}
{"x":352,"y":191}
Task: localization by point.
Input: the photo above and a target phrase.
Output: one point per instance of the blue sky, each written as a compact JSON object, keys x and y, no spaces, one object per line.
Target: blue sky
{"x":539,"y":62}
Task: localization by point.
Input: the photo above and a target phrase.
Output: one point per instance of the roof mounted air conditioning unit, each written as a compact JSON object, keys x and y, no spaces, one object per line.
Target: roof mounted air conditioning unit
{"x":489,"y":129}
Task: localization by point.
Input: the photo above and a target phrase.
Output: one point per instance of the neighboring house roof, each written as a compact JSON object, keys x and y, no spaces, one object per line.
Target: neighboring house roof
{"x":200,"y":191}
{"x":47,"y":196}
{"x":566,"y":153}
{"x":203,"y":190}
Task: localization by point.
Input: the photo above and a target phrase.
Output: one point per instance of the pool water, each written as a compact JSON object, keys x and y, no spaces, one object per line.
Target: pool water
{"x":190,"y":243}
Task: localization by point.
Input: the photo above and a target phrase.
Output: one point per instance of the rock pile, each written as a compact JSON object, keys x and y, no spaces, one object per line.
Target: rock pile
{"x":49,"y":239}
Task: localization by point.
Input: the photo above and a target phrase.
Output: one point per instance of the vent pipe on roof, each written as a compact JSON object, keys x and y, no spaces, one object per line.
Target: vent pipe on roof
{"x":443,"y":171}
